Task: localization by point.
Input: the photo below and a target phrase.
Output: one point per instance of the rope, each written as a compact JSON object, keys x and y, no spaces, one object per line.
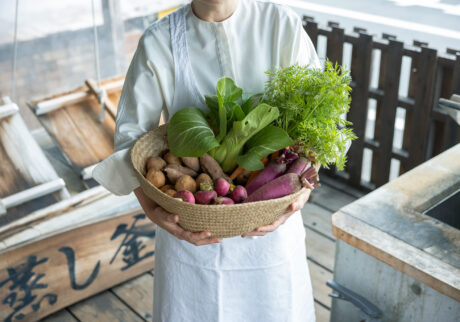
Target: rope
{"x":101,"y":94}
{"x":15,"y":52}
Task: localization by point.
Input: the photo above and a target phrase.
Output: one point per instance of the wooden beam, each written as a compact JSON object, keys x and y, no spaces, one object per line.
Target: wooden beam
{"x":111,"y":108}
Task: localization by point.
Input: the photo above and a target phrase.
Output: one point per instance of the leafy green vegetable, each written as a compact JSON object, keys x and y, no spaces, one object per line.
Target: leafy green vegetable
{"x":311,"y":103}
{"x":242,"y":131}
{"x":189,"y":134}
{"x":266,"y":141}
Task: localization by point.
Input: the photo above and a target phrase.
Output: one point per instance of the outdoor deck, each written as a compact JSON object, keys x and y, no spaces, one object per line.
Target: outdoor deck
{"x":132,"y":300}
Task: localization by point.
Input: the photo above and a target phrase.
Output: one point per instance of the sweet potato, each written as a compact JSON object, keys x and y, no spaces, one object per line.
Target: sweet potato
{"x":185,"y":182}
{"x":175,"y":171}
{"x":211,"y":167}
{"x":280,"y":187}
{"x":273,"y":170}
{"x":192,"y":162}
{"x":299,"y":166}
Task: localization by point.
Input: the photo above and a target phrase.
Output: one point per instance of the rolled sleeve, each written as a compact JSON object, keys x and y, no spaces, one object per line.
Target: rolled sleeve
{"x":139,"y":111}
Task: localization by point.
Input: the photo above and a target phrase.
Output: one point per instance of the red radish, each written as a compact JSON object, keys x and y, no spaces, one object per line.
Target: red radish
{"x":223,"y":201}
{"x":272,"y":171}
{"x":239,"y":194}
{"x":222,"y":186}
{"x":299,"y":166}
{"x":205,"y":197}
{"x":185,"y":195}
{"x":280,"y":187}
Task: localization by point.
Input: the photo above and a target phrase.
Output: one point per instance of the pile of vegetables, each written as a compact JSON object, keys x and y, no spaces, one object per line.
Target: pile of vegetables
{"x":202,"y":180}
{"x":269,"y":143}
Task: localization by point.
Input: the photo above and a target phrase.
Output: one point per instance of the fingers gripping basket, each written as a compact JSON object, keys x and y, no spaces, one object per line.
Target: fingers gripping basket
{"x":220,"y":220}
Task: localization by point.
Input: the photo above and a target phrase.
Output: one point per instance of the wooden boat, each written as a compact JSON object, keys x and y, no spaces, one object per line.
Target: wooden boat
{"x":62,"y":236}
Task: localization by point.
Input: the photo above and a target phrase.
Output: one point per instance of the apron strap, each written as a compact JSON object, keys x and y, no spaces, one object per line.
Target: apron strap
{"x":184,"y":79}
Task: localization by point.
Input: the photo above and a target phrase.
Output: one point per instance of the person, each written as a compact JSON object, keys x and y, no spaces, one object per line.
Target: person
{"x":179,"y":58}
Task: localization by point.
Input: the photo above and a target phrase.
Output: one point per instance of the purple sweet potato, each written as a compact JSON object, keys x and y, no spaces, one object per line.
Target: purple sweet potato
{"x":280,"y":187}
{"x":185,"y":195}
{"x":222,"y":186}
{"x":205,"y":197}
{"x":272,"y":171}
{"x":223,"y":201}
{"x":239,"y":194}
{"x":299,"y":166}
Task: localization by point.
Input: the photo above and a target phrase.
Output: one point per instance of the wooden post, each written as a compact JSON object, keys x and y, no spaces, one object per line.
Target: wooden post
{"x":113,"y":23}
{"x":311,"y":27}
{"x":360,"y":73}
{"x":390,"y":70}
{"x":421,"y":121}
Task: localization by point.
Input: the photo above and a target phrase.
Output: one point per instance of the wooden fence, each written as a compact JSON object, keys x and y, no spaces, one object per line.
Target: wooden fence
{"x":427,"y":132}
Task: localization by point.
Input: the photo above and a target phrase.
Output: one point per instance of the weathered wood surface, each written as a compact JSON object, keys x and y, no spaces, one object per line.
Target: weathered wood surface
{"x":399,"y":297}
{"x":23,"y":166}
{"x":407,"y":259}
{"x":76,"y":128}
{"x":104,"y":307}
{"x":397,"y":208}
{"x":73,"y":265}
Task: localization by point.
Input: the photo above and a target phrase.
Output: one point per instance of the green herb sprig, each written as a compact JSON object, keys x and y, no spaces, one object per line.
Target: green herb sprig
{"x":311,"y":102}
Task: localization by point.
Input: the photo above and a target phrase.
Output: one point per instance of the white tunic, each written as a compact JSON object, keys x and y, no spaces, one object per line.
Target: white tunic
{"x":263,"y":279}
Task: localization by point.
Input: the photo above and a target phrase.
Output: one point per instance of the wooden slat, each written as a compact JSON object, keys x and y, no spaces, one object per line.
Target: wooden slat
{"x":60,"y":316}
{"x":317,"y":218}
{"x":320,"y":249}
{"x":138,"y":295}
{"x":83,"y":139}
{"x":311,"y":27}
{"x":360,"y":73}
{"x":335,"y":41}
{"x":424,"y":81}
{"x":104,"y":307}
{"x":330,"y":198}
{"x":319,"y":277}
{"x":322,"y":314}
{"x":390,"y":70}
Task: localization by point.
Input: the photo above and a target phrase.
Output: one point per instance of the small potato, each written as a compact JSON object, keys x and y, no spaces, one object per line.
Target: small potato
{"x":156,"y":163}
{"x":157,"y":178}
{"x":170,"y":192}
{"x":204,"y":178}
{"x":186,"y":182}
{"x":171,"y":158}
{"x":166,"y":187}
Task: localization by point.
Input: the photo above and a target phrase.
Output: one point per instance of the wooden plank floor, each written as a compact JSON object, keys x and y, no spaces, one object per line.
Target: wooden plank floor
{"x":133,"y":300}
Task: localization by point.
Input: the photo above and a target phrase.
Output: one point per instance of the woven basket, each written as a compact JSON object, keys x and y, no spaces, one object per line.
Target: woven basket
{"x":220,"y":220}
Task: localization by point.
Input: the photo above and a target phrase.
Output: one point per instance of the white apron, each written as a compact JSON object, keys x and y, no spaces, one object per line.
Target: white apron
{"x":241,"y":279}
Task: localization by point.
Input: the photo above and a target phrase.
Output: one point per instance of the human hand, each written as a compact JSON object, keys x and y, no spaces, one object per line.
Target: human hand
{"x":169,"y":221}
{"x":293,"y":207}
